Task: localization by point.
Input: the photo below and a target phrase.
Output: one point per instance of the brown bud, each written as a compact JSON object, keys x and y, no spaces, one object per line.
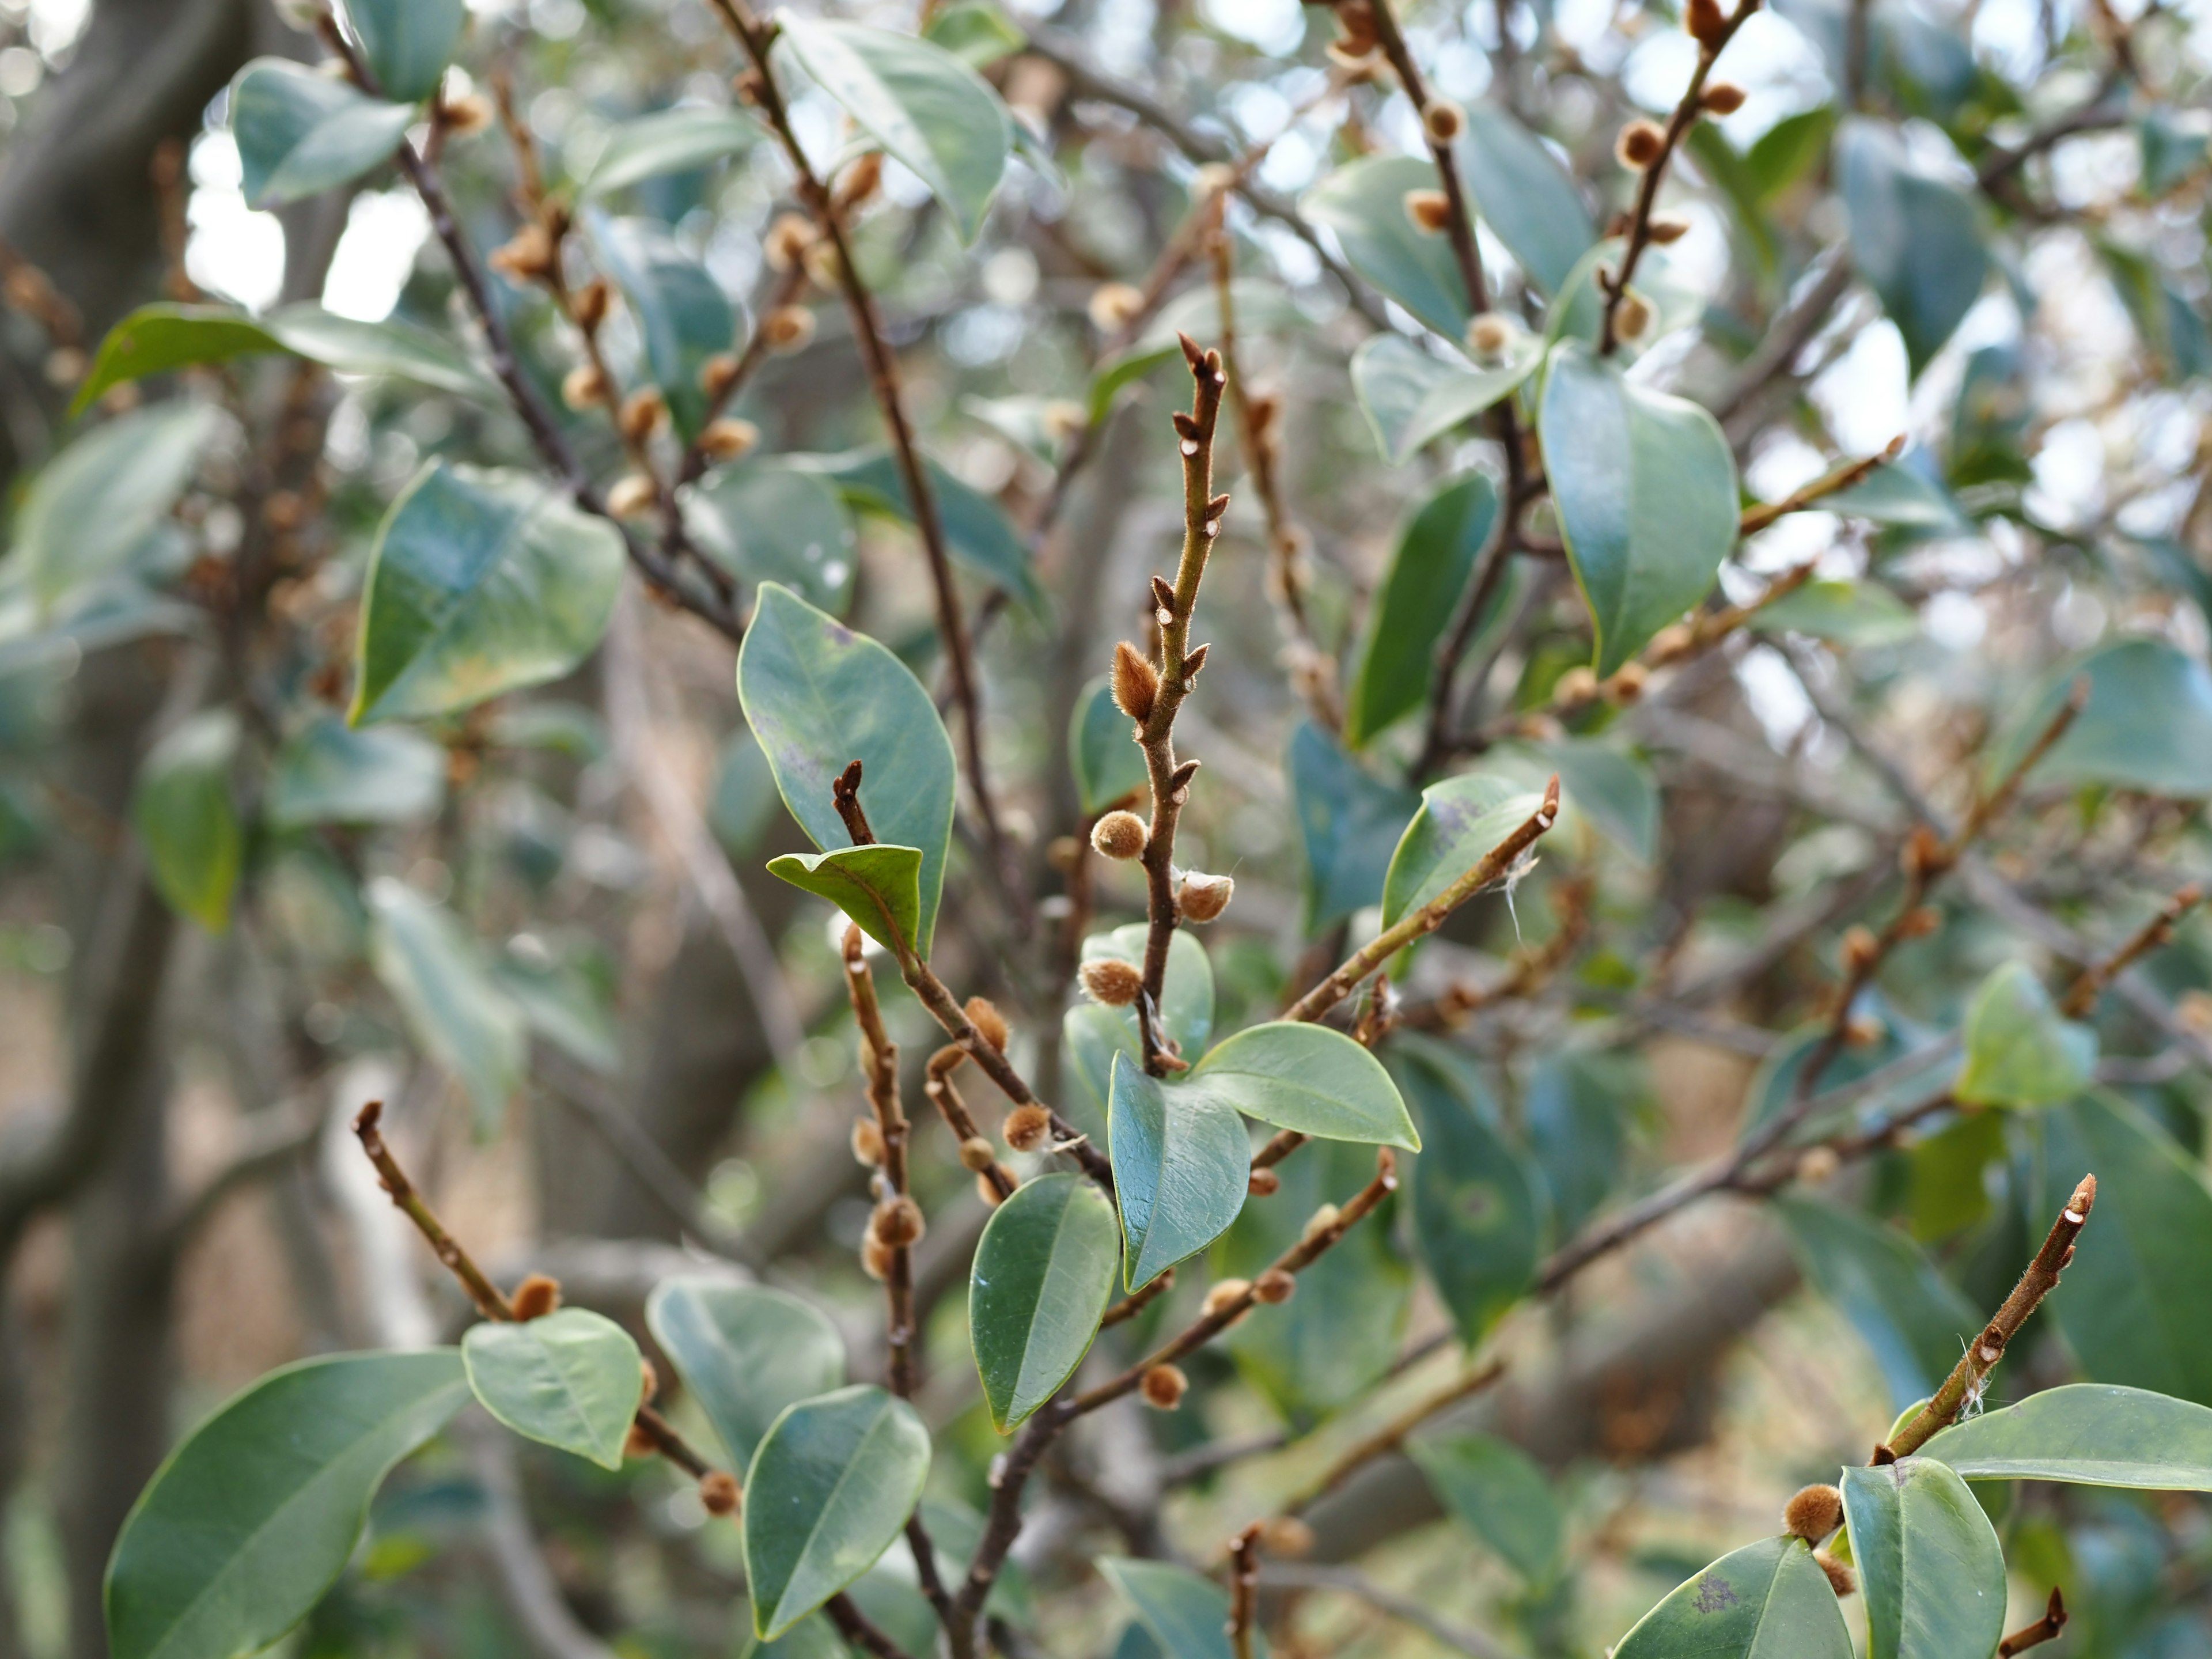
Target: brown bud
{"x":1862,"y":1030}
{"x":1165,"y":1387}
{"x":584,"y":386}
{"x":787,"y":329}
{"x":1223,"y":1294}
{"x":536,"y":1297}
{"x":1705,"y":21}
{"x":876,"y":1258}
{"x":1318,"y":1224}
{"x":1919,"y":921}
{"x":591,"y":306}
{"x":861,"y":179}
{"x":464,"y":116}
{"x":1923,"y":854}
{"x":1630,"y":680}
{"x":1027,"y":1128}
{"x":868,"y":1142}
{"x":975,"y":1154}
{"x":788,"y":240}
{"x":1136,"y":683}
{"x":1861,"y":949}
{"x":1489,"y":334}
{"x":1286,"y":1535}
{"x":1119,"y":836}
{"x":825,"y":269}
{"x":633,"y":494}
{"x":638,"y":1444}
{"x":1814,"y":1513}
{"x":649,"y":1382}
{"x":65,"y":366}
{"x":527,"y":256}
{"x":1724,"y":98}
{"x":718,"y":1491}
{"x":988,"y":1191}
{"x":1202,"y":897}
{"x":729,"y":439}
{"x":1442,"y":120}
{"x":1641,"y":143}
{"x":1263,"y":1183}
{"x":1673,"y":640}
{"x":1577,"y":685}
{"x":718,"y":375}
{"x":990,"y":1024}
{"x":1666,"y":228}
{"x":898,"y":1222}
{"x":1112,"y":981}
{"x":1429,"y":210}
{"x":1633,"y":318}
{"x":1841,"y":1579}
{"x":642,"y":414}
{"x":1817,"y":1165}
{"x":1114,"y":305}
{"x":1274,"y":1286}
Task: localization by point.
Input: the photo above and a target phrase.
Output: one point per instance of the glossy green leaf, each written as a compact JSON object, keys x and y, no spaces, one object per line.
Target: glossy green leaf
{"x":1186,"y":1616}
{"x":328,"y":772}
{"x":830,"y":1487}
{"x":1411,"y":396}
{"x":452,"y":1007}
{"x":1915,"y":237}
{"x":1788,"y":151}
{"x":2131,"y":1306}
{"x":1646,"y":492}
{"x":2172,"y":147}
{"x":1349,"y":821}
{"x":1478,"y":1213}
{"x":1181,"y":1159}
{"x":408,"y":43}
{"x":1310,"y":1078}
{"x":95,"y":507}
{"x":745,"y":1351}
{"x":1460,"y":821}
{"x":1094,"y":1035}
{"x":1525,"y":196}
{"x":1928,"y":1561}
{"x":1842,"y":613}
{"x":1103,"y":750}
{"x":1578,"y":1106}
{"x":300,"y":133}
{"x":562,"y":1001}
{"x":922,"y":103}
{"x":667,"y":141}
{"x":160,"y":339}
{"x":976,"y":32}
{"x":1497,"y":1492}
{"x":1044,"y":1272}
{"x":570,"y":1380}
{"x":1415,"y":604}
{"x":2090,"y":1434}
{"x":1902,"y":496}
{"x":2020,"y":1050}
{"x":2147,"y":724}
{"x":1608,"y":785}
{"x":1911,"y":1317}
{"x":389,"y":347}
{"x":188,"y":819}
{"x":252,"y":1518}
{"x":1767,"y":1601}
{"x":977,"y":537}
{"x":769,"y":521}
{"x":1363,"y":202}
{"x":818,"y":696}
{"x":812,"y":1637}
{"x":480,"y":583}
{"x":1334,"y":1340}
{"x":879,"y":887}
{"x":679,"y":309}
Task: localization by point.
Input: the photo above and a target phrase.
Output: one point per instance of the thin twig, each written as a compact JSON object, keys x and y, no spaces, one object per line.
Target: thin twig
{"x":2155,"y":933}
{"x":1756,"y":518}
{"x":2045,"y":1629}
{"x":1393,"y":1434}
{"x":1243,"y":1589}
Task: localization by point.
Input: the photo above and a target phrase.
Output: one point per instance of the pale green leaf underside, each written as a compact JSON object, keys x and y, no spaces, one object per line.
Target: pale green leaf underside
{"x":570,"y":1380}
{"x":878,"y":887}
{"x":745,"y":1351}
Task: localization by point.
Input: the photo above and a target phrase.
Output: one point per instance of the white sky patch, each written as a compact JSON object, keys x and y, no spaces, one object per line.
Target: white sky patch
{"x":1276,"y":26}
{"x":230,"y":250}
{"x":384,"y":233}
{"x":1775,"y":697}
{"x":1864,"y":395}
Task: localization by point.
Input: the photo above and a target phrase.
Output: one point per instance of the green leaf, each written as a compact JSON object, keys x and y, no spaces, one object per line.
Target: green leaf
{"x":769,"y":521}
{"x":879,"y":887}
{"x":159,"y":339}
{"x":389,"y":347}
{"x":562,"y":1001}
{"x":1767,"y":1601}
{"x":2132,"y":1307}
{"x":1094,"y":1035}
{"x":1350,"y":821}
{"x":1415,"y":604}
{"x":2147,"y":725}
{"x":328,"y":772}
{"x":1525,"y":196}
{"x":248,"y":1522}
{"x":1646,"y":492}
{"x":184,"y":814}
{"x":1310,"y":1078}
{"x":1103,"y":751}
{"x":1258,"y":307}
{"x":2020,"y":1051}
{"x":457,"y":1013}
{"x":819,"y":696}
{"x":1911,"y":1317}
{"x":812,"y":1637}
{"x":570,"y":1380}
{"x":1497,"y":1493}
{"x":1843,"y":613}
{"x":976,"y":32}
{"x":1614,"y":789}
{"x":977,"y":537}
{"x":830,"y":1485}
{"x":680,"y":310}
{"x":1577,"y":1105}
{"x":1187,"y":1615}
{"x":1478,"y":1221}
{"x":1916,"y":238}
{"x":1928,"y":1561}
{"x":745,"y":1351}
{"x":1789,"y":151}
{"x":1902,"y":496}
{"x":1044,"y":1272}
{"x":300,"y":133}
{"x":93,"y":508}
{"x":1411,"y":396}
{"x":480,"y":583}
{"x":2090,"y":1434}
{"x":2173,"y":147}
{"x":923,"y":105}
{"x":1363,"y":202}
{"x":1182,"y":1160}
{"x":1460,"y":821}
{"x":408,"y":43}
{"x":667,"y":141}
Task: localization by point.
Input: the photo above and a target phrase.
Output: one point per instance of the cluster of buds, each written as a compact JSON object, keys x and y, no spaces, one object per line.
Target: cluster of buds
{"x":1812,"y":1514}
{"x":895,"y":1225}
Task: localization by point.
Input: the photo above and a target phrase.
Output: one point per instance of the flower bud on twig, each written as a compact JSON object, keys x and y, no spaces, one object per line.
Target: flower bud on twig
{"x":1705,"y":20}
{"x":718,"y":1491}
{"x":1724,"y":98}
{"x":787,"y":329}
{"x":1814,"y":1513}
{"x":1112,"y":981}
{"x":1223,"y":1294}
{"x":1202,"y":897}
{"x":1263,"y":1183}
{"x":584,"y":386}
{"x":1119,"y":836}
{"x":729,"y":439}
{"x":1136,"y":683}
{"x":633,"y":494}
{"x":788,"y":240}
{"x":1274,"y":1286}
{"x":1318,"y":1224}
{"x":1641,"y":143}
{"x":990,"y":1024}
{"x":536,"y":1297}
{"x":898,"y":1222}
{"x":976,"y":1155}
{"x":1429,"y":210}
{"x":1165,"y":1387}
{"x":1442,"y":120}
{"x":1027,"y":1128}
{"x":868,"y":1142}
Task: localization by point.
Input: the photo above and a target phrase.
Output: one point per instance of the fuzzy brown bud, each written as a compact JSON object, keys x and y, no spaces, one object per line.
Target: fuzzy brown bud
{"x":1287,"y":1536}
{"x":584,"y":386}
{"x":1112,"y":981}
{"x":1136,"y":683}
{"x":1666,"y":228}
{"x":1165,"y":1387}
{"x":788,"y":240}
{"x":1202,"y":897}
{"x":718,"y":375}
{"x":649,"y":1382}
{"x":1814,"y":1513}
{"x":729,"y":439}
{"x":1274,"y":1286}
{"x":898,"y":1222}
{"x":464,"y":116}
{"x":633,"y":494}
{"x":718,"y":1491}
{"x":861,"y":179}
{"x":1489,"y":335}
{"x":1577,"y":685}
{"x":592,"y":303}
{"x":1442,"y":120}
{"x":1841,"y":1579}
{"x":787,"y":329}
{"x":1223,"y":1294}
{"x":638,"y":1444}
{"x":1628,"y":683}
{"x":1320,"y":1222}
{"x":990,"y":1024}
{"x":1861,"y":949}
{"x":1818,"y":1164}
{"x":868,"y":1142}
{"x":1705,"y":21}
{"x":976,"y":1155}
{"x":1263,"y":1183}
{"x":876,"y":1258}
{"x":1674,"y":640}
{"x":1429,"y":210}
{"x":1641,"y":143}
{"x":1634,"y":317}
{"x":824,"y":268}
{"x":987,"y":1190}
{"x":1027,"y":1128}
{"x":1119,"y":836}
{"x":1724,"y":98}
{"x":527,"y":256}
{"x":642,"y":414}
{"x":1115,"y":305}
{"x":536,"y":1297}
